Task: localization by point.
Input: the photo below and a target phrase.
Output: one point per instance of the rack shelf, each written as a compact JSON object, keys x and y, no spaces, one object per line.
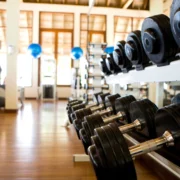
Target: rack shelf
{"x":149,"y":74}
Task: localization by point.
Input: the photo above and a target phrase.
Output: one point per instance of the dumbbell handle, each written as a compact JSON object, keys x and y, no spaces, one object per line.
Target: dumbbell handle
{"x":93,"y":105}
{"x":129,"y":127}
{"x":114,"y":117}
{"x":96,"y":108}
{"x":166,"y":139}
{"x":104,"y":112}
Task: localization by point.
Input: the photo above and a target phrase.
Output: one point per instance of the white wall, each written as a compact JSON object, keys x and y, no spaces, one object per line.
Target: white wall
{"x":36,"y":8}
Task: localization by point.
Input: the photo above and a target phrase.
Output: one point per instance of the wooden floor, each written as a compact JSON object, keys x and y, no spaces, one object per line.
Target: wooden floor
{"x":34,"y":145}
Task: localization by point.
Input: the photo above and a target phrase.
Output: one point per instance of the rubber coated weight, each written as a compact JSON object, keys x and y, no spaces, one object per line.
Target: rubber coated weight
{"x":104,"y":67}
{"x":115,"y":147}
{"x":111,"y":161}
{"x":110,"y":101}
{"x":100,"y":152}
{"x":80,"y":114}
{"x":101,"y":98}
{"x":166,"y":119}
{"x":144,"y":111}
{"x":158,"y":40}
{"x":95,"y":97}
{"x":120,"y":57}
{"x":84,"y":138}
{"x":96,"y":120}
{"x":111,"y":65}
{"x":175,"y":20}
{"x":122,"y":105}
{"x":130,"y":168}
{"x":170,"y":118}
{"x":135,"y":52}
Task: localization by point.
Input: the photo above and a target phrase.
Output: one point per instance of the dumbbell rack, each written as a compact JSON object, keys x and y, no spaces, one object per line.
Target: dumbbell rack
{"x":95,"y":81}
{"x":150,"y":74}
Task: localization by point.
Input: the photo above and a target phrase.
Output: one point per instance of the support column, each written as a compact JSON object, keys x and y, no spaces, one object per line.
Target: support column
{"x":156,"y":93}
{"x":159,"y":94}
{"x":110,"y":29}
{"x":115,"y":88}
{"x":76,"y":34}
{"x":33,"y":91}
{"x":12,"y":37}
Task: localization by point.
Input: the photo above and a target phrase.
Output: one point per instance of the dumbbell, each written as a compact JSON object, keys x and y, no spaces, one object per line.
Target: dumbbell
{"x":158,"y":41}
{"x":113,"y":159}
{"x":78,"y":104}
{"x":94,"y":106}
{"x":120,"y":57}
{"x":107,"y":102}
{"x":175,"y":20}
{"x":136,"y":115}
{"x":134,"y":51}
{"x":111,"y":65}
{"x":103,"y":66}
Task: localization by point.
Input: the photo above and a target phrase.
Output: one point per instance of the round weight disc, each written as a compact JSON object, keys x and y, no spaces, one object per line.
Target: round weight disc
{"x":175,"y":20}
{"x":130,"y":169}
{"x":141,"y":110}
{"x":111,"y":161}
{"x":122,"y":105}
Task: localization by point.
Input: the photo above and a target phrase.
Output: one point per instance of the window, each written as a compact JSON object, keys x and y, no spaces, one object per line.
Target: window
{"x":24,"y":64}
{"x":56,"y":32}
{"x":94,"y":32}
{"x":124,"y":25}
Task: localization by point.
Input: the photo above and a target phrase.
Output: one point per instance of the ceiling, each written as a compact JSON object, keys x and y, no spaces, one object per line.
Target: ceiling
{"x":125,"y":4}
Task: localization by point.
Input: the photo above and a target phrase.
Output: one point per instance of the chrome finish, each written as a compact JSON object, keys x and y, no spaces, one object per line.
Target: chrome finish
{"x":96,"y":108}
{"x":129,"y":127}
{"x":91,"y":105}
{"x":169,"y":138}
{"x":152,"y":145}
{"x":113,"y":117}
{"x":106,"y":111}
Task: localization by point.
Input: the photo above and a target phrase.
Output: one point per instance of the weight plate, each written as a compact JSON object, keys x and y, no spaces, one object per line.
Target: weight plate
{"x":106,"y":148}
{"x":83,"y":137}
{"x":175,"y":20}
{"x":93,"y":122}
{"x":87,"y":136}
{"x":76,"y":127}
{"x":134,"y":50}
{"x":130,"y":169}
{"x":95,"y":97}
{"x":151,"y":112}
{"x":101,"y":173}
{"x":110,"y":101}
{"x":115,"y":147}
{"x":157,"y":39}
{"x":169,"y":116}
{"x":87,"y":112}
{"x":99,"y":150}
{"x":140,"y":110}
{"x":122,"y":105}
{"x":101,"y":98}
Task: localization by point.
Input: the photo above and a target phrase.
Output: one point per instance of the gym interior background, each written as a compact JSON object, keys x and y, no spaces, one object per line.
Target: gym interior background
{"x":38,"y":96}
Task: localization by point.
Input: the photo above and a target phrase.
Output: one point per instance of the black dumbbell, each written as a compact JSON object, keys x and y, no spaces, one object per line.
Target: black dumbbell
{"x":103,"y":66}
{"x":107,"y":102}
{"x":71,"y":107}
{"x":94,"y":106}
{"x":137,"y":115}
{"x":158,"y":41}
{"x":120,"y":57}
{"x":111,"y":65}
{"x":113,"y":159}
{"x":135,"y":52}
{"x":175,"y":20}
